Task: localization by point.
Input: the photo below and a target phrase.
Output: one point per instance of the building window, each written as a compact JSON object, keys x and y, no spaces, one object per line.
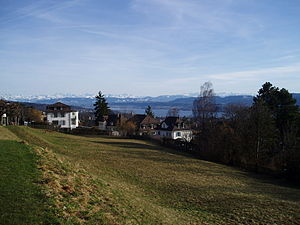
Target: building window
{"x":73,"y":121}
{"x":178,"y":134}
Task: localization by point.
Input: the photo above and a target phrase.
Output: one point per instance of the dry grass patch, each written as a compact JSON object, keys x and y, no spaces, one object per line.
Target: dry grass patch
{"x":75,"y":193}
{"x":5,"y":134}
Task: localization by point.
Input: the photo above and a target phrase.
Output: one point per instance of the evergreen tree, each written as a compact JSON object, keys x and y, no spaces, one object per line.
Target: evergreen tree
{"x":263,"y":133}
{"x":286,"y":114}
{"x":149,"y":111}
{"x":101,"y":107}
{"x":281,"y":104}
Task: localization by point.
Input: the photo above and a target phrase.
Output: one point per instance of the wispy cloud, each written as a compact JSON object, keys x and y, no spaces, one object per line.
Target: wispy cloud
{"x":217,"y":16}
{"x":42,"y":10}
{"x":242,"y":76}
{"x":258,"y":74}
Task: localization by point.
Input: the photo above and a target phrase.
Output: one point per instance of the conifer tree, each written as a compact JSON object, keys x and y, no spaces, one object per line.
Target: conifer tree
{"x":149,"y":111}
{"x":101,"y":107}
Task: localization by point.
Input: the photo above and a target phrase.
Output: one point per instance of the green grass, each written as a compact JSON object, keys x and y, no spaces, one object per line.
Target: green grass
{"x":21,"y":199}
{"x":138,"y":182}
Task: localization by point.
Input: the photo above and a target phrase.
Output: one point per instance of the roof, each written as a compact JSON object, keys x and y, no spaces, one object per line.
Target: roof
{"x":59,"y":107}
{"x":149,"y":120}
{"x":173,"y":123}
{"x":59,"y":104}
{"x":142,"y":119}
{"x":138,"y":118}
{"x":60,"y":111}
{"x":171,"y":120}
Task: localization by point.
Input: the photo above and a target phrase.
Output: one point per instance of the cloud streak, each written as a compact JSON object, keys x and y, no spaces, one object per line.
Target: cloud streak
{"x":201,"y":15}
{"x":41,"y":10}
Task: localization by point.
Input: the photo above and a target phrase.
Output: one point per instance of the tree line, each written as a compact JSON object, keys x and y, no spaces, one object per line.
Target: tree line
{"x":264,"y":137}
{"x":16,"y":113}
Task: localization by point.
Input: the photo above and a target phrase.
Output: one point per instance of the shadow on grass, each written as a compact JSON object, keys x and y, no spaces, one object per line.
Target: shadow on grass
{"x":259,"y":183}
{"x":133,"y":145}
{"x":129,"y":145}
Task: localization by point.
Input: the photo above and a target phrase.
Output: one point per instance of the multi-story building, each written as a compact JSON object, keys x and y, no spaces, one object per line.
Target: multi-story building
{"x":173,"y":128}
{"x":62,"y":115}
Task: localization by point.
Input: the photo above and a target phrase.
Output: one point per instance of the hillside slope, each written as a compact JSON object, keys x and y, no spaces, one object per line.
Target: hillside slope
{"x":142,"y":183}
{"x":22,"y":200}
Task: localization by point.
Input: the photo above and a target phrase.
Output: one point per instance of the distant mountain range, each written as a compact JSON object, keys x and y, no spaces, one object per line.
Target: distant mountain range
{"x":182,"y":102}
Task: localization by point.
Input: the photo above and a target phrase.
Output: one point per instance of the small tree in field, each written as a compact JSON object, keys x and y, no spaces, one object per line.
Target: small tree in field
{"x":101,"y":107}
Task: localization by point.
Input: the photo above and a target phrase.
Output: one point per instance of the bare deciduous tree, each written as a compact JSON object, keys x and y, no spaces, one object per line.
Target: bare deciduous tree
{"x":173,"y":112}
{"x":127,"y":127}
{"x":14,"y":112}
{"x":204,"y":107}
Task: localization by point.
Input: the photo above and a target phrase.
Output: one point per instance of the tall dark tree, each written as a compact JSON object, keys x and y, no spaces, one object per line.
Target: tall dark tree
{"x":264,"y":133}
{"x":286,"y":114}
{"x":149,"y":111}
{"x":281,"y":104}
{"x":101,"y":107}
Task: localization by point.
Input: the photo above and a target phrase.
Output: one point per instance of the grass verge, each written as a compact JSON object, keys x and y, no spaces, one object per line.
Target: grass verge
{"x":22,"y":200}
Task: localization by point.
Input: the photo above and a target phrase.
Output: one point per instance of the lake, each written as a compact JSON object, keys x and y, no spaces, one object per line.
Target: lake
{"x":157,"y":112}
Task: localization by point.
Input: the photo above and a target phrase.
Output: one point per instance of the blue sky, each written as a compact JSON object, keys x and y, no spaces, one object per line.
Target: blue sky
{"x":148,"y":47}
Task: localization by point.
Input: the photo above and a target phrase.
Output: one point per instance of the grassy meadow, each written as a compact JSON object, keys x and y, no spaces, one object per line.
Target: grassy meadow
{"x":22,"y":201}
{"x":109,"y":180}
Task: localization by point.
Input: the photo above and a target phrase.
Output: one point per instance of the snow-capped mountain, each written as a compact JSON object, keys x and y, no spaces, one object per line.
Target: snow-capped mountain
{"x":114,"y":98}
{"x":182,"y":102}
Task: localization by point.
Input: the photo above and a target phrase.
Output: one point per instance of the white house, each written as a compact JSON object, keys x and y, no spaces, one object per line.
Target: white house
{"x":174,"y":128}
{"x":61,"y":115}
{"x":3,"y":120}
